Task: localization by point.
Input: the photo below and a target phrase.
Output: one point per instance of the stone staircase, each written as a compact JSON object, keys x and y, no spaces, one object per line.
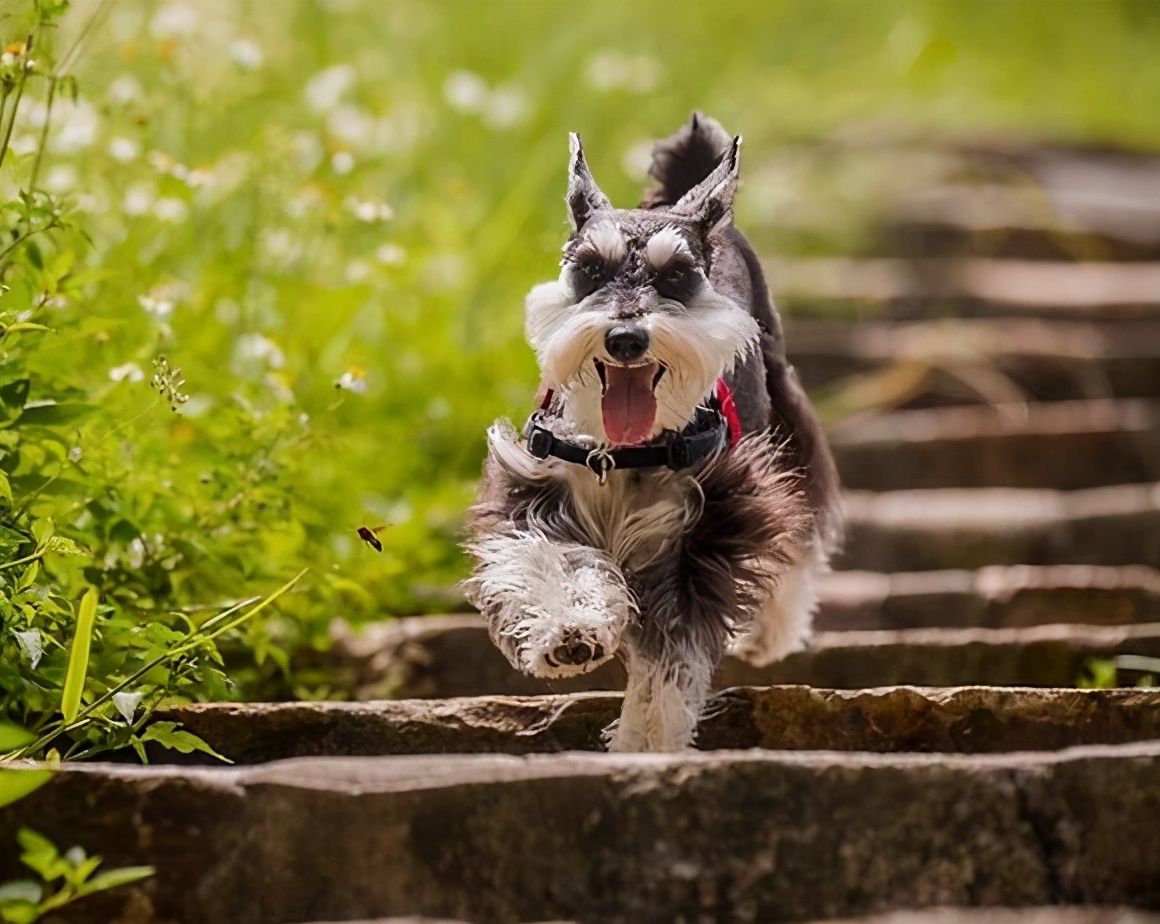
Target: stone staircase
{"x":929,"y":752}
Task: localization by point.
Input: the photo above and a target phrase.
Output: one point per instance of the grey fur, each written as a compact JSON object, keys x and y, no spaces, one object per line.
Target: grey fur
{"x":664,"y":568}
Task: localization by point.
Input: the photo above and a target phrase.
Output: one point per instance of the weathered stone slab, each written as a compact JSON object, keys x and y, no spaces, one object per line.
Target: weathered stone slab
{"x":929,"y":530}
{"x":446,"y":656}
{"x":1045,"y":359}
{"x":963,"y":720}
{"x":904,"y":289}
{"x":738,"y":836}
{"x":995,"y":597}
{"x":1052,"y":914}
{"x":1064,"y":445}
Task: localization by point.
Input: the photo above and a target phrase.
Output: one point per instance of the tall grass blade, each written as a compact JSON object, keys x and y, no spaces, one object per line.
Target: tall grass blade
{"x":78,"y":659}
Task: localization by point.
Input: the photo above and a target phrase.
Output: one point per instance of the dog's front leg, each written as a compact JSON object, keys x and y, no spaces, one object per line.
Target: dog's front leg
{"x":666,"y":692}
{"x":554,"y":608}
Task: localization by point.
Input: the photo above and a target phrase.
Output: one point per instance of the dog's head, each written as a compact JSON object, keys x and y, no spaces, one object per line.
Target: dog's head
{"x":632,"y":336}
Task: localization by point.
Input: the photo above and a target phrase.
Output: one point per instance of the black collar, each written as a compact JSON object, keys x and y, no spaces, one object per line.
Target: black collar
{"x":704,"y":436}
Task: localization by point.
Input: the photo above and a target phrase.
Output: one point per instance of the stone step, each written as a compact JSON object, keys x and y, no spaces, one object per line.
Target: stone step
{"x":1063,"y":445}
{"x":1024,"y":222}
{"x":929,"y":530}
{"x":1051,"y":914}
{"x":920,"y":288}
{"x":1048,"y":204}
{"x":448,"y":656}
{"x":993,"y":597}
{"x":742,"y":836}
{"x":965,"y":720}
{"x":989,"y":359}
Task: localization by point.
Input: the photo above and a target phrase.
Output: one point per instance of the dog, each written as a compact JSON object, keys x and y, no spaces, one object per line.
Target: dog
{"x":673,"y":495}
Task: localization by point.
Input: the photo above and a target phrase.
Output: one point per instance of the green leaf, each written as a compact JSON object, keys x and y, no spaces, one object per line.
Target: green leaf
{"x":38,"y":853}
{"x":50,"y":413}
{"x":16,"y":783}
{"x":13,"y":736}
{"x":1100,"y":674}
{"x":112,"y":878}
{"x":5,"y":489}
{"x":18,"y":911}
{"x":20,"y":900}
{"x":78,"y":659}
{"x":169,"y":736}
{"x":14,"y":394}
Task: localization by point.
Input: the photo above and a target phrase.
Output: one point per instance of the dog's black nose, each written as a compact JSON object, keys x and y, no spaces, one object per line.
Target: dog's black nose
{"x":626,"y":343}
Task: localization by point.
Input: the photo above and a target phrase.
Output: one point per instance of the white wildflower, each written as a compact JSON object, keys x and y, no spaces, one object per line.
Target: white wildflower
{"x":125,"y":90}
{"x":158,"y":306}
{"x":61,"y":178}
{"x":170,"y":209}
{"x":32,"y":114}
{"x":368,"y":210}
{"x":173,"y":20}
{"x":465,"y":91}
{"x":23,"y":144}
{"x":75,"y":454}
{"x":138,"y":199}
{"x":506,"y":107}
{"x":253,"y":350}
{"x":32,"y":645}
{"x":280,"y":246}
{"x":353,"y":380}
{"x":308,"y":151}
{"x":124,"y":150}
{"x":77,"y":126}
{"x":246,"y":54}
{"x":127,"y":372}
{"x":613,"y":70}
{"x":126,"y":704}
{"x":391,"y":255}
{"x":342,"y":163}
{"x":351,"y":125}
{"x":280,"y":390}
{"x":326,"y":88}
{"x":357,"y":271}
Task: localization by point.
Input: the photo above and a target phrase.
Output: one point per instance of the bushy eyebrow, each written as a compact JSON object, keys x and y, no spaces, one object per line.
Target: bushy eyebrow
{"x":666,"y":246}
{"x":602,"y":242}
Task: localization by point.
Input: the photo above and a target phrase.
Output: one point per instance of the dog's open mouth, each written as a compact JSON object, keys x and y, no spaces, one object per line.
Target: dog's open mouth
{"x":628,"y":401}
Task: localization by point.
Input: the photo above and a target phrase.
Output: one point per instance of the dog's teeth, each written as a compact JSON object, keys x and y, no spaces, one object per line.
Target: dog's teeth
{"x":657,"y":377}
{"x":603,"y":380}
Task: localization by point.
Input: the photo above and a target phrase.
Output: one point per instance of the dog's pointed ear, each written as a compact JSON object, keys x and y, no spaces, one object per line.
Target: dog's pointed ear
{"x":584,"y":196}
{"x":710,"y":202}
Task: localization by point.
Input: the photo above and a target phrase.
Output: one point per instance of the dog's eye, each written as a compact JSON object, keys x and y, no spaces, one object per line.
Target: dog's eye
{"x":677,"y":281}
{"x":588,"y":276}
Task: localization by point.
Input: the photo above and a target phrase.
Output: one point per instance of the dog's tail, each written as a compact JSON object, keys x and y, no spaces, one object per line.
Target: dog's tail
{"x":686,"y":157}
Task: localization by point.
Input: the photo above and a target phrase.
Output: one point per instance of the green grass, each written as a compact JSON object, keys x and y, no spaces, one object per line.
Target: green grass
{"x":218,"y":222}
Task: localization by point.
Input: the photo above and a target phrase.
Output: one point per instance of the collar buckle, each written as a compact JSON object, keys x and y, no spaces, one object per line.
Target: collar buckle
{"x":601,"y":461}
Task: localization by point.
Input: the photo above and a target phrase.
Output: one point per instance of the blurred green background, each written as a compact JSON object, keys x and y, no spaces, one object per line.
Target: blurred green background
{"x":327,"y":213}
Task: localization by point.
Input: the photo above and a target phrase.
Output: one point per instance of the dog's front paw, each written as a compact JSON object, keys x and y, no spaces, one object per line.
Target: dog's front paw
{"x":569,"y":649}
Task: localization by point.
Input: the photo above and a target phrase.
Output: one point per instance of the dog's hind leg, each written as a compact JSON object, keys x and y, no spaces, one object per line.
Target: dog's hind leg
{"x":554,"y":608}
{"x":663,"y":700}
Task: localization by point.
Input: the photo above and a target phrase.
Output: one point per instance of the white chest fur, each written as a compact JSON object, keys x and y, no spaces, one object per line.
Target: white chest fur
{"x":636,"y":514}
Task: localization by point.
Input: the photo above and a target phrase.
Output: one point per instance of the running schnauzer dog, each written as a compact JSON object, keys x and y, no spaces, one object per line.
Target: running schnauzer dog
{"x":673,"y":494}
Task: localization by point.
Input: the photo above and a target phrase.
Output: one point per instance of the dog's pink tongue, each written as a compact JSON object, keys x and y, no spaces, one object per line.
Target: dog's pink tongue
{"x":629,"y":406}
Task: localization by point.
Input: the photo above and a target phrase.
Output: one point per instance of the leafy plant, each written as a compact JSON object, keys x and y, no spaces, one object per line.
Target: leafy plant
{"x":62,"y":878}
{"x":105,"y":568}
